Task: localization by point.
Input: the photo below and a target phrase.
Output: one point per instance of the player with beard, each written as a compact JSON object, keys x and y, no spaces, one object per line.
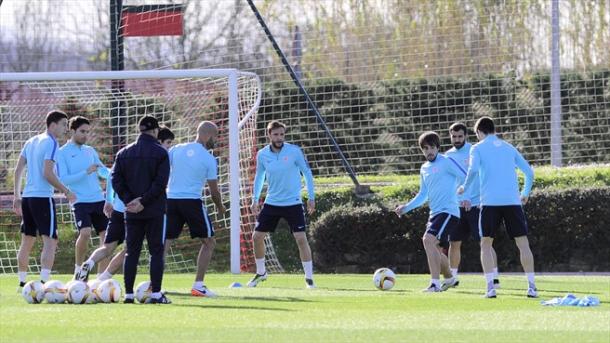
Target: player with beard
{"x":80,"y":169}
{"x":282,"y":165}
{"x":469,"y":207}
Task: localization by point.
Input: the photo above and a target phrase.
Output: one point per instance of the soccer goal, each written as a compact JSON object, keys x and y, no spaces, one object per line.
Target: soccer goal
{"x":115,"y":100}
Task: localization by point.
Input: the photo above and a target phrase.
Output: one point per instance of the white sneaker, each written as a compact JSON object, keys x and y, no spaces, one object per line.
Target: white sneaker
{"x":309,"y":284}
{"x":432,"y":289}
{"x":203,"y":292}
{"x":449,"y":283}
{"x":491,"y":293}
{"x":256,"y":279}
{"x":532,"y":293}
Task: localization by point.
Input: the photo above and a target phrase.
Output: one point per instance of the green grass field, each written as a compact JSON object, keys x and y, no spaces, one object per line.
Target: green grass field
{"x":343,"y":308}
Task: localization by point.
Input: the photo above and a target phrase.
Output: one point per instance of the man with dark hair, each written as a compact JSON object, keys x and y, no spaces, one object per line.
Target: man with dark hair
{"x":139,"y":177}
{"x":191,"y":166}
{"x":282,"y":164}
{"x":469,"y":212}
{"x":80,"y":169}
{"x":165,"y":137}
{"x":36,"y":205}
{"x":492,"y":164}
{"x":437,"y":177}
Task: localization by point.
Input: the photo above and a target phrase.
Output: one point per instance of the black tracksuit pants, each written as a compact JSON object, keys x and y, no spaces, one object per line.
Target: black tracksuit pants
{"x":136,"y":230}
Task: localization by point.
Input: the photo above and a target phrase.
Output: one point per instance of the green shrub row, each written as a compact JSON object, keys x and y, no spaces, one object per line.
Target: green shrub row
{"x":569,"y":231}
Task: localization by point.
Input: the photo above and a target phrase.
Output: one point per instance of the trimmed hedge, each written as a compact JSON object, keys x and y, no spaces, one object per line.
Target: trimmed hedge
{"x":569,"y":231}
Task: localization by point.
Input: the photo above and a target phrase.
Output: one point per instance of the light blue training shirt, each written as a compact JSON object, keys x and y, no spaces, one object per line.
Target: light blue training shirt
{"x":191,"y":165}
{"x":35,"y":151}
{"x":282,"y":170}
{"x":462,"y":156}
{"x":439,"y":180}
{"x":73,"y":161}
{"x":495,"y":160}
{"x":112,"y":198}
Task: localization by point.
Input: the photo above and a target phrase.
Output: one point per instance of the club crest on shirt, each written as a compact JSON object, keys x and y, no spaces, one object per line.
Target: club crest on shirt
{"x":435,"y":169}
{"x":497,"y":143}
{"x":190,"y":152}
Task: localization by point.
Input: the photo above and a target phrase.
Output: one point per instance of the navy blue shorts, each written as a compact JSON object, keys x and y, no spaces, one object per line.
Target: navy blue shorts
{"x":513,"y":217}
{"x":467,"y":227}
{"x":440,"y":225}
{"x":90,"y":214}
{"x":270,"y":216}
{"x":39,"y":217}
{"x":115,"y":231}
{"x":191,"y":212}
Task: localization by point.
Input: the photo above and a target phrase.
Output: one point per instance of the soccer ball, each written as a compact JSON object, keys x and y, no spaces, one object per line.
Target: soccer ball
{"x":109,"y":291}
{"x":143,"y":292}
{"x":55,"y":292}
{"x":384,"y":279}
{"x":93,"y":285}
{"x":78,"y":292}
{"x":33,"y":292}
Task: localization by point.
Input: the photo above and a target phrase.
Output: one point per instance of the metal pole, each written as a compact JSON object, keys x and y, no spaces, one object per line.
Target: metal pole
{"x":556,"y":154}
{"x":312,"y":107}
{"x":117,"y":108}
{"x":234,"y":177}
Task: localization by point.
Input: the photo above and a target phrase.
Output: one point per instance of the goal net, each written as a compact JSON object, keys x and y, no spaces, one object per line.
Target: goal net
{"x":179,"y":99}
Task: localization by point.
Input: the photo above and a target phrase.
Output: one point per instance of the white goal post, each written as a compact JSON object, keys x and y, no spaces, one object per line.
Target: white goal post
{"x":241,"y":101}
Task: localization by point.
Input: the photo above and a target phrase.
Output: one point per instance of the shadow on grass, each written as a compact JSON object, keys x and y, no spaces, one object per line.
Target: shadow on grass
{"x":401,"y":291}
{"x":255,"y":308}
{"x":552,"y":291}
{"x":245,"y":297}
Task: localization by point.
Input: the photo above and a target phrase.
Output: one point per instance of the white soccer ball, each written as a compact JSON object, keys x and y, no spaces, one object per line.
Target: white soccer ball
{"x":78,"y":292}
{"x":143,"y":292}
{"x":109,"y":291}
{"x":384,"y":279}
{"x":55,"y":292}
{"x":93,"y":285}
{"x":33,"y":292}
{"x":69,"y":283}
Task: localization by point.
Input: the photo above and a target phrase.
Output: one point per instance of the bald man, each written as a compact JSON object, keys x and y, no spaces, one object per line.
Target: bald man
{"x":191,"y":165}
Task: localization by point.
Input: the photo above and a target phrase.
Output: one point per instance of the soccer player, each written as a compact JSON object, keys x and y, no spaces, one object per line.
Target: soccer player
{"x":115,"y":235}
{"x":469,"y":212}
{"x":79,"y":169}
{"x":139,"y":177}
{"x":438,"y":176}
{"x":191,"y":165}
{"x":282,"y":165}
{"x":495,"y":161}
{"x":36,"y":205}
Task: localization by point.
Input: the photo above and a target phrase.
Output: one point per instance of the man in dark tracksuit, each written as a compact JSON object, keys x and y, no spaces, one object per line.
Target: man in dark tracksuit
{"x":139,"y":178}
